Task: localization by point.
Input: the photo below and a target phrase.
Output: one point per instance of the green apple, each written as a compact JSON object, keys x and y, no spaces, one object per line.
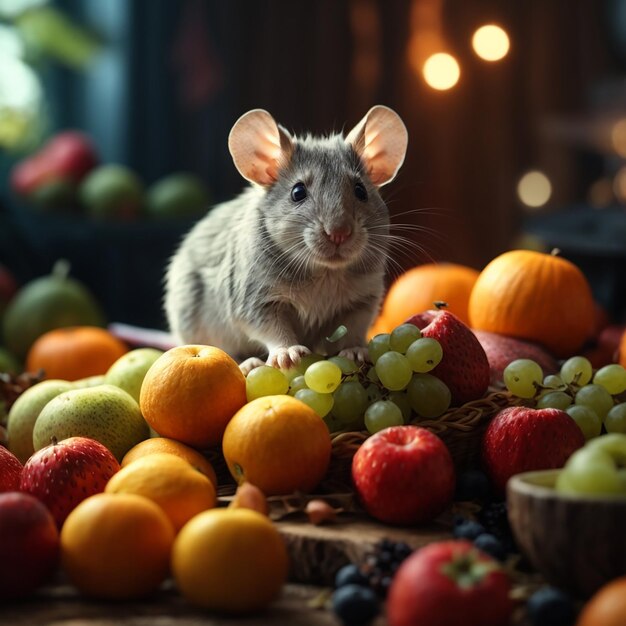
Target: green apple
{"x":24,"y":414}
{"x":105,"y":413}
{"x":597,"y":468}
{"x":129,"y":370}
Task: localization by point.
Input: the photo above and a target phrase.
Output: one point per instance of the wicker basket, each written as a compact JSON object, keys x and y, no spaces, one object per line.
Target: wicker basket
{"x":460,"y":428}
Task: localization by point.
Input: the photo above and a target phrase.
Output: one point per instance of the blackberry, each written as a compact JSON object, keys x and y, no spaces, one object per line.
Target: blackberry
{"x":495,"y":520}
{"x":383,"y":562}
{"x":349,"y":574}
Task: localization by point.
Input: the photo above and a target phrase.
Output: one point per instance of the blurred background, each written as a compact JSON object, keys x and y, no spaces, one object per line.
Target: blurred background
{"x":516,"y":114}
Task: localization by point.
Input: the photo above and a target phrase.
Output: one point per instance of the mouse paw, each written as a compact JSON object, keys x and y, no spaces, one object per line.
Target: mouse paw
{"x":249,"y":364}
{"x":358,"y":355}
{"x":284,"y":358}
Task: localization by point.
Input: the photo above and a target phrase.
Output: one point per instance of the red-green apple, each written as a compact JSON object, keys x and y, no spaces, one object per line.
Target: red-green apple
{"x":29,"y":544}
{"x":404,"y":475}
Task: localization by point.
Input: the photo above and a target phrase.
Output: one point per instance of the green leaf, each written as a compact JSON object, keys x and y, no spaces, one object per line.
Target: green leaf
{"x":338,"y":333}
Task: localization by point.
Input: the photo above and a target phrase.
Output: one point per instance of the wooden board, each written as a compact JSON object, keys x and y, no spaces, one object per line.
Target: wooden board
{"x":317,"y":552}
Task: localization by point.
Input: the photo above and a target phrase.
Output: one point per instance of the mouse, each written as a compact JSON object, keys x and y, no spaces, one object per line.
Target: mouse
{"x":271,"y":274}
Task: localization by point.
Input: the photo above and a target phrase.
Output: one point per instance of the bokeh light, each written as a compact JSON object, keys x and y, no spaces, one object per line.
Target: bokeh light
{"x":619,"y":185}
{"x":441,"y":71}
{"x":618,"y":137}
{"x":490,"y":42}
{"x":534,"y":189}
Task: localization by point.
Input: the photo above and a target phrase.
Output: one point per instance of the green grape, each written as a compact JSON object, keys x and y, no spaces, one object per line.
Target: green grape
{"x":372,"y":375}
{"x":577,"y":370}
{"x":323,"y":376}
{"x":402,"y":401}
{"x":394,"y":370}
{"x":595,"y":397}
{"x":428,"y":396}
{"x":403,"y":336}
{"x":615,"y":420}
{"x":350,"y":402}
{"x":332,"y":423}
{"x":553,"y":381}
{"x":346,"y":365}
{"x":297,"y":383}
{"x":587,"y":420}
{"x":520,"y":377}
{"x":265,"y":381}
{"x":321,"y":403}
{"x":382,"y":414}
{"x":554,"y":400}
{"x":378,"y":345}
{"x":300,"y":368}
{"x":612,"y":378}
{"x":424,"y":354}
{"x":373,"y":393}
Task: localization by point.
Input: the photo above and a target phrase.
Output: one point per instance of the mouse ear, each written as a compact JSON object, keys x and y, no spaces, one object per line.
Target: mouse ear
{"x":380,"y":139}
{"x":259,"y":147}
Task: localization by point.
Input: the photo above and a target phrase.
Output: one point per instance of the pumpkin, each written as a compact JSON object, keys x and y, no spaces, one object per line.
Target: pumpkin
{"x":535,"y":296}
{"x":417,"y":289}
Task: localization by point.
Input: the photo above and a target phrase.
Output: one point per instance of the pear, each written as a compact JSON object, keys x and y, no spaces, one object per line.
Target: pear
{"x":105,"y":413}
{"x":90,"y":381}
{"x":129,"y":370}
{"x":24,"y":414}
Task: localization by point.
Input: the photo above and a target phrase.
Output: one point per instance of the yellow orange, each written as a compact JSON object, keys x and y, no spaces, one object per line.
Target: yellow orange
{"x":116,"y":546}
{"x":277,"y":443}
{"x":170,"y":446}
{"x":170,"y":482}
{"x":230,"y":560}
{"x":191,"y":392}
{"x":607,"y":607}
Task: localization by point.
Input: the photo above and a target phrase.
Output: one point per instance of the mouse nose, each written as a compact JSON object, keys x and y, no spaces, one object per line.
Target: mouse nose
{"x":339,"y":234}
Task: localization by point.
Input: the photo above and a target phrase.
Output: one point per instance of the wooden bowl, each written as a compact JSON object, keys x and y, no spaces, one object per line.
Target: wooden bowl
{"x":578,"y":543}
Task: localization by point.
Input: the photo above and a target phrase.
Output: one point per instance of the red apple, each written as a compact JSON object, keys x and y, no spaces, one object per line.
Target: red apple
{"x":10,"y":471}
{"x":464,"y":366}
{"x":449,"y":583}
{"x":404,"y":475}
{"x":63,"y":474}
{"x":29,"y":544}
{"x":520,"y":439}
{"x":68,"y":155}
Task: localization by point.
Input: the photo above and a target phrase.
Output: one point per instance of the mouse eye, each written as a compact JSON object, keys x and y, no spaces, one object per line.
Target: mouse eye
{"x":298,"y":193}
{"x":360,"y":192}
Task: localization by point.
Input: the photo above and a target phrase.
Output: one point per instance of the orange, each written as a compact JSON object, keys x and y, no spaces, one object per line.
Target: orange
{"x":75,"y":352}
{"x":607,"y":607}
{"x":277,"y":443}
{"x":169,"y":481}
{"x":116,"y":546}
{"x":230,"y":560}
{"x":417,"y":289}
{"x":622,"y":351}
{"x":169,"y":446}
{"x":191,"y":392}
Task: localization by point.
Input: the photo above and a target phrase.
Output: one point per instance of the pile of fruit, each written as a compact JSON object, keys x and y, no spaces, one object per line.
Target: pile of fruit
{"x":64,"y":176}
{"x":106,"y":473}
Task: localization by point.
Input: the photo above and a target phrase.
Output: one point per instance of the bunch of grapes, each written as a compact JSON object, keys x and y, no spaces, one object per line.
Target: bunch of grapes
{"x":593,"y":399}
{"x":376,"y":395}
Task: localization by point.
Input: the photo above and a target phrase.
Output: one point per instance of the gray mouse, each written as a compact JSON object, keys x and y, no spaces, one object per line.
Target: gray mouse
{"x":302,"y":251}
